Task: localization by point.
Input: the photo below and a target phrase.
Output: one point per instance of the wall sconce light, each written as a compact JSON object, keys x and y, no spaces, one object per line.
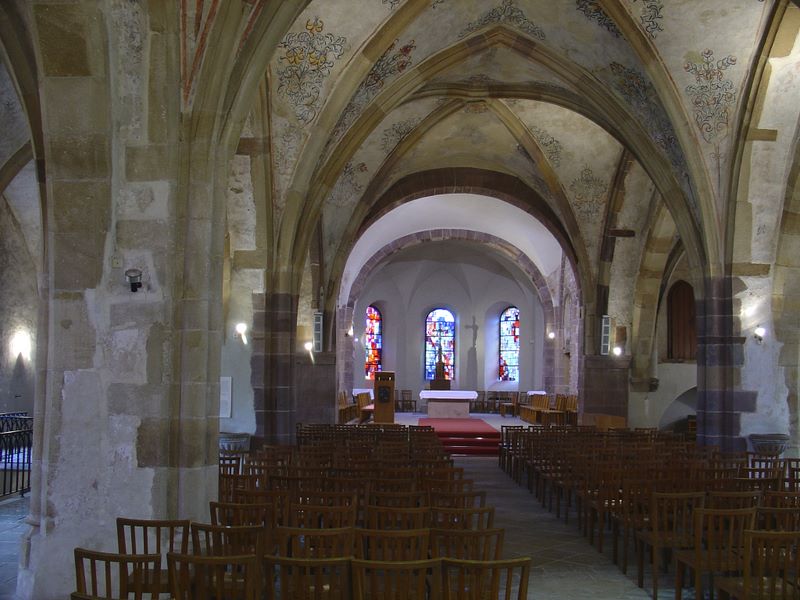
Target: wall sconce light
{"x":308,"y":346}
{"x":617,"y":351}
{"x":241,"y":330}
{"x":349,"y":332}
{"x":134,"y":278}
{"x":551,"y":335}
{"x":759,"y":333}
{"x":21,"y":345}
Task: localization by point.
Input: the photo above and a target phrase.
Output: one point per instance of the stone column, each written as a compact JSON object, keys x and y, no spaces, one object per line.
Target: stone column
{"x":720,"y":355}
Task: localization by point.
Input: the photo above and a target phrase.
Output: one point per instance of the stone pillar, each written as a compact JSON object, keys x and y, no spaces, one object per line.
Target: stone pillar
{"x":604,"y":385}
{"x":315,"y":388}
{"x":275,"y":416}
{"x":720,"y":355}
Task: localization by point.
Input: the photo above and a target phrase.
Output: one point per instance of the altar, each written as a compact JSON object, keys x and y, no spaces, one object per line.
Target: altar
{"x":448,"y":404}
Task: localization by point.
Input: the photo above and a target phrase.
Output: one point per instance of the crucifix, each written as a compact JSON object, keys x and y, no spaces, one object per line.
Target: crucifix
{"x":474,"y":328}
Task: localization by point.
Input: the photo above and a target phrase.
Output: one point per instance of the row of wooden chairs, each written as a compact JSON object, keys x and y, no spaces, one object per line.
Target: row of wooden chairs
{"x":245,"y":577}
{"x":549,"y":410}
{"x":658,"y":490}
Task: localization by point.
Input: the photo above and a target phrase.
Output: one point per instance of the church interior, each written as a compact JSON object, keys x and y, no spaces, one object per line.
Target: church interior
{"x":222,"y":216}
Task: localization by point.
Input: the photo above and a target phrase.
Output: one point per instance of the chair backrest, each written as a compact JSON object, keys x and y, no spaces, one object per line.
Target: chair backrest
{"x":392,"y":544}
{"x":306,"y":542}
{"x":321,"y":517}
{"x":479,"y":579}
{"x":389,"y":517}
{"x":737,"y":499}
{"x":308,"y":578}
{"x":194,"y":577}
{"x":238,"y":513}
{"x":462,"y":518}
{"x":222,"y":540}
{"x":672,"y":517}
{"x":784,"y":518}
{"x":467,"y":544}
{"x":771,"y":564}
{"x":152,"y":536}
{"x":778,"y":499}
{"x":471,"y":499}
{"x":719,"y":536}
{"x":396,"y":580}
{"x":411,"y":499}
{"x":111,"y":575}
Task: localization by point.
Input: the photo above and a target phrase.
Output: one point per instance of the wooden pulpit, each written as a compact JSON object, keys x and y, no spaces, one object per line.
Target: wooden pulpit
{"x":383,"y":397}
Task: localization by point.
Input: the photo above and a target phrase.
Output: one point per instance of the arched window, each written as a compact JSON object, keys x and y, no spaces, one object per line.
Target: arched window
{"x":373,"y":342}
{"x":508,"y":369}
{"x":440,"y":331}
{"x":682,"y":335}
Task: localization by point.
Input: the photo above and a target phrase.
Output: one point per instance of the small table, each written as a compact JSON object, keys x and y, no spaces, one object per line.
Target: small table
{"x":448,"y":404}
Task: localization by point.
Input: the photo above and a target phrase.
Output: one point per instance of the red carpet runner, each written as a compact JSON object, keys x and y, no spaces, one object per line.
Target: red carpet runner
{"x":466,"y":436}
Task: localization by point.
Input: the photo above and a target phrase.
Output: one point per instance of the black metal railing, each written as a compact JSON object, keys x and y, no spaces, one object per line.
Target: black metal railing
{"x":16,"y":444}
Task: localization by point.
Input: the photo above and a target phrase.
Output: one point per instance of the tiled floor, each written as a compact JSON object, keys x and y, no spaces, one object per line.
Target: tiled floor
{"x":565,"y":566}
{"x":12,"y":525}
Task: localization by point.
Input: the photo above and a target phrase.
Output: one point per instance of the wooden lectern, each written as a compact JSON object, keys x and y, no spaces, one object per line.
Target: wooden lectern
{"x":384,"y":397}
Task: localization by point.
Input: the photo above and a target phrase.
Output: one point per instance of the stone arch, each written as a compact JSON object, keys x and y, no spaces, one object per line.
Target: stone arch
{"x":526,"y":265}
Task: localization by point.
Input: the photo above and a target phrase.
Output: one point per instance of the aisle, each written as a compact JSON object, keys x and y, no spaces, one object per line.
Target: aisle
{"x":565,"y":566}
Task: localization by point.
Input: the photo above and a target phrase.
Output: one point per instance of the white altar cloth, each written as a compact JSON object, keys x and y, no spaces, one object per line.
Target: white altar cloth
{"x":537,"y":393}
{"x":448,"y":404}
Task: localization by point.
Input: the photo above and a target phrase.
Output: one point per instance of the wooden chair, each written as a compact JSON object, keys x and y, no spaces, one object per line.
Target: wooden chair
{"x":392,"y":544}
{"x":407,"y":401}
{"x":771,"y":568}
{"x":472,"y":499}
{"x":396,"y":580}
{"x":724,"y":499}
{"x":481,"y":544}
{"x":783,"y":518}
{"x":387,"y":517}
{"x":194,"y":577}
{"x":320,"y":516}
{"x":153,"y":536}
{"x":308,"y":578}
{"x":462,"y":518}
{"x":110,"y":576}
{"x":232,"y":514}
{"x":718,"y":545}
{"x":223,"y":540}
{"x":671,"y":527}
{"x":412,"y":499}
{"x":480,"y":579}
{"x":306,"y":542}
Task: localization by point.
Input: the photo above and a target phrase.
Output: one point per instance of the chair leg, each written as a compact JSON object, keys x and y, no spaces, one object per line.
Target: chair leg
{"x":680,"y":567}
{"x":640,"y":564}
{"x":654,"y":559}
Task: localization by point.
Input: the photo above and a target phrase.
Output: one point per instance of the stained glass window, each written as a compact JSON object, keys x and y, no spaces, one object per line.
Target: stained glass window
{"x":373,"y":334}
{"x":440,"y":331}
{"x":509,"y":345}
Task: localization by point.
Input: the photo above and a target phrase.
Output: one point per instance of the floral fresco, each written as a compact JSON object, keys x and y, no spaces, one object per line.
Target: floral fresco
{"x":306,"y":59}
{"x":594,"y":12}
{"x":506,"y":13}
{"x":397,"y":132}
{"x":712,"y":95}
{"x":651,"y":16}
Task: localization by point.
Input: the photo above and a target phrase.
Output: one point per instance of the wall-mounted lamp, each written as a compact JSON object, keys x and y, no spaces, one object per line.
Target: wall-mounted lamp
{"x":759,"y":333}
{"x":21,"y":345}
{"x":241,"y":330}
{"x":134,"y":278}
{"x":617,"y":351}
{"x":309,"y":346}
{"x":551,"y":335}
{"x":349,"y":332}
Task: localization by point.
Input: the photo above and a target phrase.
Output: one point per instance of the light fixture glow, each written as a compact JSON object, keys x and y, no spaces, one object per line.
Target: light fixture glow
{"x":21,"y":345}
{"x":759,"y":333}
{"x":617,"y":351}
{"x":552,"y":335}
{"x":350,"y":331}
{"x":241,"y":330}
{"x":308,"y":346}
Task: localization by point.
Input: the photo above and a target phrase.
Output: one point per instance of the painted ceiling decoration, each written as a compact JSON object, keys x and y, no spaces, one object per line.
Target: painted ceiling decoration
{"x":552,"y":93}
